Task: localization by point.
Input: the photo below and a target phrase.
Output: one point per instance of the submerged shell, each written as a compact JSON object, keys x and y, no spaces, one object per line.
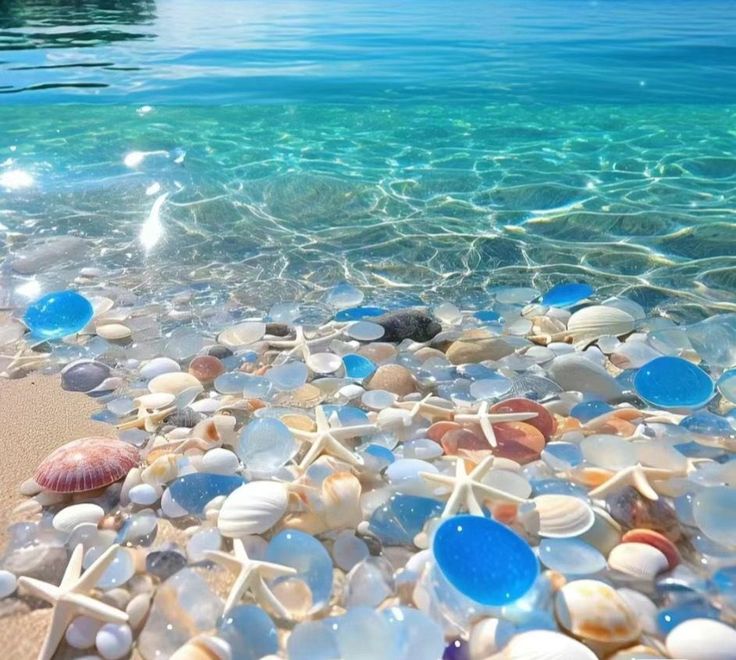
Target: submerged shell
{"x":639,"y":560}
{"x":657,"y":540}
{"x":563,"y":516}
{"x":594,"y":611}
{"x":544,"y":645}
{"x":242,"y":334}
{"x":174,"y":383}
{"x":86,"y":464}
{"x":252,"y":509}
{"x":599,"y":320}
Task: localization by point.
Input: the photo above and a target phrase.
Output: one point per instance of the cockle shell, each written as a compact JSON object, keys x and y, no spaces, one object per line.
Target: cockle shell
{"x":253,"y":508}
{"x":596,"y":321}
{"x":217,"y":430}
{"x":174,"y":383}
{"x":156,"y":401}
{"x":639,"y":560}
{"x":657,"y":540}
{"x":563,"y":516}
{"x":86,"y":464}
{"x":701,"y":639}
{"x":242,"y":334}
{"x":341,"y":500}
{"x":544,"y":645}
{"x":594,"y":611}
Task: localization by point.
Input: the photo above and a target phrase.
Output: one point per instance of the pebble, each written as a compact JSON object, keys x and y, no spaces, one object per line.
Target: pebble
{"x":576,"y":373}
{"x":159,"y":366}
{"x":77,"y":514}
{"x":144,"y":494}
{"x":408,"y":324}
{"x":393,"y":378}
{"x":206,"y":368}
{"x":58,"y":314}
{"x":113,"y":331}
{"x":114,"y":640}
{"x":8,"y":583}
{"x":477,"y":346}
{"x":82,"y":632}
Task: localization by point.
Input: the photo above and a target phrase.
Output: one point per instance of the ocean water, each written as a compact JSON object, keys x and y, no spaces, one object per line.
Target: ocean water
{"x":261,"y":152}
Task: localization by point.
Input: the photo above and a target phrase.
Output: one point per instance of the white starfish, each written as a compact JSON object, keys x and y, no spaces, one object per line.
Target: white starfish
{"x":300,"y":344}
{"x":422,"y":407}
{"x":464,"y":487}
{"x":485,"y":419}
{"x":71,"y":598}
{"x":636,"y":476}
{"x":250,"y":576}
{"x":326,"y":439}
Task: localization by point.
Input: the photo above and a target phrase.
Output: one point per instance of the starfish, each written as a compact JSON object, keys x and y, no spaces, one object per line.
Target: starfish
{"x":464,"y":487}
{"x":300,"y":344}
{"x":326,"y":439}
{"x":485,"y":419}
{"x":71,"y":598}
{"x":422,"y":407}
{"x":250,"y":576}
{"x":636,"y":476}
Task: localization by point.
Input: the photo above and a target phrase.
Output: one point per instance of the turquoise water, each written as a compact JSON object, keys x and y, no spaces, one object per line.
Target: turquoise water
{"x":424,"y":150}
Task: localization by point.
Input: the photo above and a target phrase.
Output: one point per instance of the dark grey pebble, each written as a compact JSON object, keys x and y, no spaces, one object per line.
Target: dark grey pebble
{"x":408,"y":324}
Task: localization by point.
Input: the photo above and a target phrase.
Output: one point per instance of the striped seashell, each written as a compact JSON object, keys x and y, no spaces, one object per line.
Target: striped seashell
{"x":638,"y":560}
{"x":563,"y":516}
{"x":590,"y":323}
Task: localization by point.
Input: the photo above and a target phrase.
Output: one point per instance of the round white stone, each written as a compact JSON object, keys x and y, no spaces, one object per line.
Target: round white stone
{"x":144,"y":494}
{"x":76,"y":514}
{"x":220,"y":461}
{"x":114,"y":640}
{"x":8,"y":583}
{"x":81,"y":632}
{"x":158,"y":366}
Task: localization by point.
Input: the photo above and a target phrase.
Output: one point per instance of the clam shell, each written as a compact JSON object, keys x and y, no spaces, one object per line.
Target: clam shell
{"x":253,"y":508}
{"x":563,"y":516}
{"x":76,"y":514}
{"x":596,"y":321}
{"x":639,"y":560}
{"x":657,"y":540}
{"x":203,"y":647}
{"x":156,"y":401}
{"x":242,"y":334}
{"x":701,"y":639}
{"x":594,"y":611}
{"x":174,"y":383}
{"x":86,"y":464}
{"x":544,"y":645}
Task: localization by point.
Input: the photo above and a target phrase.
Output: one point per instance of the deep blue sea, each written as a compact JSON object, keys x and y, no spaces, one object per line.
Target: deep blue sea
{"x":261,"y":151}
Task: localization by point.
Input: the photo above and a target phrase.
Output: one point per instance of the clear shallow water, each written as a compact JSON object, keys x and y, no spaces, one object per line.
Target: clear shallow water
{"x":431,"y":151}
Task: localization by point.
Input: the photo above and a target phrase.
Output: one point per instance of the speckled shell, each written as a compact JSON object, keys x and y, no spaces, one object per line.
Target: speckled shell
{"x":252,"y":509}
{"x":563,"y":516}
{"x":638,"y":560}
{"x":594,"y":611}
{"x":599,"y":320}
{"x":86,"y":464}
{"x":544,"y":645}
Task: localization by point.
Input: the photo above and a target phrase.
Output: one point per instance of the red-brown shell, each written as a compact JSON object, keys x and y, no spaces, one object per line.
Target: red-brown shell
{"x":544,"y":421}
{"x":656,"y":540}
{"x":86,"y":464}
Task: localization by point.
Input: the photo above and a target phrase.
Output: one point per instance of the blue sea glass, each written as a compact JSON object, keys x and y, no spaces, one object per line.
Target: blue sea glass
{"x":265,"y":445}
{"x":313,"y":639}
{"x":416,"y":635}
{"x":571,"y":556}
{"x":727,"y":385}
{"x":693,"y":608}
{"x":707,"y":423}
{"x":344,"y":295}
{"x":588,"y":410}
{"x":671,"y":382}
{"x":402,"y":517}
{"x":487,"y":315}
{"x":289,"y":376}
{"x":58,"y":314}
{"x":357,"y":366}
{"x":567,"y":294}
{"x":358,"y":313}
{"x":193,"y":491}
{"x":250,"y":632}
{"x":484,"y":560}
{"x":347,"y":415}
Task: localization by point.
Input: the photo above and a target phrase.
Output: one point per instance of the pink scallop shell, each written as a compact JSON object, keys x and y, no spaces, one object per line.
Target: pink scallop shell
{"x":86,"y":464}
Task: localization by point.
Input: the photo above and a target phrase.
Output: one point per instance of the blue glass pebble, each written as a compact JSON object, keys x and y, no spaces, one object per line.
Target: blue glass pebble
{"x":311,"y":640}
{"x":382,"y":454}
{"x":571,"y":556}
{"x":588,"y":410}
{"x":358,"y":313}
{"x":58,"y":314}
{"x":671,"y":382}
{"x":347,"y":415}
{"x":289,"y":376}
{"x":250,"y":632}
{"x":695,"y":608}
{"x":265,"y":445}
{"x":484,"y":560}
{"x":357,"y":366}
{"x":567,"y":294}
{"x":487,"y":315}
{"x":707,"y":423}
{"x":193,"y":491}
{"x":402,"y":517}
{"x":231,"y":382}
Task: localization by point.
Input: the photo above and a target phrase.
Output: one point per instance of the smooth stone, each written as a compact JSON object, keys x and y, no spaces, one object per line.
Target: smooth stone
{"x":702,"y":639}
{"x":348,"y":550}
{"x":206,"y":368}
{"x":478,"y":346}
{"x":9,"y":583}
{"x":193,"y":491}
{"x":174,"y":383}
{"x":58,"y":314}
{"x":220,"y":461}
{"x":76,"y":514}
{"x":158,"y":367}
{"x":671,"y":382}
{"x":365,"y":331}
{"x":144,"y":494}
{"x":118,"y":572}
{"x":393,"y":378}
{"x":571,"y":557}
{"x":357,"y":366}
{"x":369,"y":583}
{"x":567,"y":294}
{"x":84,"y":375}
{"x":363,"y":634}
{"x":609,"y":451}
{"x":265,"y":445}
{"x":164,"y":563}
{"x":461,"y":549}
{"x":202,"y":541}
{"x":576,"y":373}
{"x":408,"y":324}
{"x":324,"y":363}
{"x":289,"y":376}
{"x":714,"y":510}
{"x":402,"y":517}
{"x":232,"y":382}
{"x":242,"y":334}
{"x":378,"y":399}
{"x":82,"y":632}
{"x":727,"y":385}
{"x":250,"y":632}
{"x":114,"y":640}
{"x":113,"y":331}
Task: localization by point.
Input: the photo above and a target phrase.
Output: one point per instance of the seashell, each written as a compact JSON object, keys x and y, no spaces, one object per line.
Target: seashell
{"x":544,"y":645}
{"x":644,"y":609}
{"x":605,"y":533}
{"x":657,"y":540}
{"x":155,"y":401}
{"x":639,"y":560}
{"x":306,"y":396}
{"x":638,"y":652}
{"x":113,"y":331}
{"x":203,"y":647}
{"x":242,"y":334}
{"x":162,"y":469}
{"x":563,"y":516}
{"x":174,"y":382}
{"x":596,"y":321}
{"x":216,"y":430}
{"x":341,"y":499}
{"x":76,"y":514}
{"x":186,"y":418}
{"x":253,"y":508}
{"x":594,"y":611}
{"x":86,"y":464}
{"x":701,"y":639}
{"x":159,"y":366}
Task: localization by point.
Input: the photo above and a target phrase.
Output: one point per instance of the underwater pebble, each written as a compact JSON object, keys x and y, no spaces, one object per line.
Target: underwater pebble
{"x":8,"y":583}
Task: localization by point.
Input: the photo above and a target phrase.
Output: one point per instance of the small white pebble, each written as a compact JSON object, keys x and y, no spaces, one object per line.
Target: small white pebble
{"x":81,"y":632}
{"x":144,"y":494}
{"x":114,"y":640}
{"x":220,"y":461}
{"x":76,"y":514}
{"x":8,"y":583}
{"x":29,"y":488}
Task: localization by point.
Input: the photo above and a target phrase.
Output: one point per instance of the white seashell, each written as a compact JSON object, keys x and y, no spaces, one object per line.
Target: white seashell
{"x":563,"y":516}
{"x":113,"y":331}
{"x":341,"y":499}
{"x":639,"y":560}
{"x":702,"y":639}
{"x":162,"y":470}
{"x":242,"y":334}
{"x":174,"y":383}
{"x":544,"y":645}
{"x":100,"y":305}
{"x":644,"y":609}
{"x":203,"y":647}
{"x":594,"y":611}
{"x":220,"y":461}
{"x":324,"y":363}
{"x":76,"y":514}
{"x":156,"y":401}
{"x":159,"y":366}
{"x":596,"y":321}
{"x":29,"y":488}
{"x":253,"y":508}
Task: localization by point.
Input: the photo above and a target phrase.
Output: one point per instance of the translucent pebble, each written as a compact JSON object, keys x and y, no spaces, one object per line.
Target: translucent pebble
{"x":242,"y":334}
{"x":311,"y":640}
{"x":121,"y":406}
{"x":461,"y":549}
{"x":562,"y":455}
{"x":357,"y":366}
{"x":344,"y":295}
{"x":250,"y":632}
{"x":265,"y":445}
{"x":8,"y":583}
{"x":114,"y":640}
{"x":144,"y":494}
{"x":692,"y":608}
{"x":447,"y":313}
{"x":170,"y":508}
{"x":284,"y":313}
{"x":422,"y":448}
{"x":714,"y":510}
{"x":324,"y":363}
{"x":490,"y":387}
{"x":193,"y":491}
{"x":571,"y":557}
{"x":609,"y":451}
{"x":220,"y":461}
{"x":515,"y":295}
{"x":358,"y":313}
{"x":309,"y":557}
{"x":81,"y":632}
{"x":487,"y":316}
{"x":369,"y":583}
{"x":84,"y":375}
{"x":509,"y":482}
{"x":207,"y":538}
{"x":715,"y":339}
{"x":671,"y":382}
{"x":231,"y":382}
{"x":184,"y":343}
{"x":289,"y":376}
{"x":206,"y":368}
{"x":256,"y":387}
{"x":365,"y":331}
{"x":670,"y":341}
{"x":378,"y":399}
{"x":405,"y":472}
{"x":348,"y":550}
{"x":164,"y":563}
{"x":588,"y":410}
{"x":119,"y":571}
{"x":567,"y":294}
{"x":58,"y":314}
{"x":706,"y":423}
{"x":727,"y":385}
{"x":417,"y":636}
{"x":159,"y":366}
{"x":402,"y":517}
{"x":363,"y":634}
